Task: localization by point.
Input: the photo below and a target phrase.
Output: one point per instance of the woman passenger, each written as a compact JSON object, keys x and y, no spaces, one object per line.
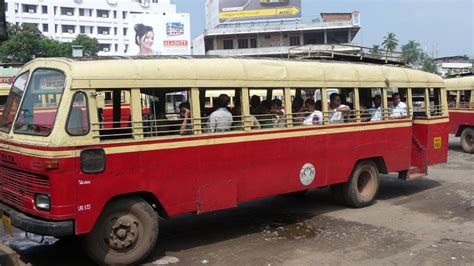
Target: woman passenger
{"x":314,"y":117}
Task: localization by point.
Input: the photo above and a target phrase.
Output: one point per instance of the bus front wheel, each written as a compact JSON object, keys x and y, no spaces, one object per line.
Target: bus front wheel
{"x":125,"y":233}
{"x":467,"y":140}
{"x":363,"y":185}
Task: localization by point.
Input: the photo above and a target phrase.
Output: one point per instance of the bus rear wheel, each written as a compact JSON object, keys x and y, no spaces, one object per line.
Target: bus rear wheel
{"x":125,"y":233}
{"x":363,"y":185}
{"x":467,"y":140}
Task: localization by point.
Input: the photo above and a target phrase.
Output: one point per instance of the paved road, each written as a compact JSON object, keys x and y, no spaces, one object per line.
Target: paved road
{"x":429,"y":221}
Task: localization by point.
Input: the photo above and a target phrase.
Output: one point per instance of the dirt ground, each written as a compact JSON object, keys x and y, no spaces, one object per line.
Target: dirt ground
{"x":424,"y":222}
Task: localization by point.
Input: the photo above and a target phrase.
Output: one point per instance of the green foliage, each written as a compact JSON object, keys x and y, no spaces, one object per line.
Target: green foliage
{"x":412,"y":52}
{"x":26,"y":43}
{"x":375,"y":52}
{"x":90,"y":46}
{"x":428,"y":65}
{"x":390,"y":42}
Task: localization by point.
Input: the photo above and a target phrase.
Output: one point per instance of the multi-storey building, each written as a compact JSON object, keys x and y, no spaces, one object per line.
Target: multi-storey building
{"x":105,"y":20}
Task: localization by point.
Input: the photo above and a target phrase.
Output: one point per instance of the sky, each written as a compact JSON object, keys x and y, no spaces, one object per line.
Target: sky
{"x":442,"y":27}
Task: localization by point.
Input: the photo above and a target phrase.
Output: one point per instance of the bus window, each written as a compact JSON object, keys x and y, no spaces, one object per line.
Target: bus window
{"x":370,"y":104}
{"x":397,"y":103}
{"x":78,"y":119}
{"x":465,"y":99}
{"x":306,"y":108}
{"x":270,"y":112}
{"x":166,"y":112}
{"x":341,"y":105}
{"x":222,"y":110}
{"x":435,"y":102}
{"x":35,"y":117}
{"x":451,"y":98}
{"x":115,"y":118}
{"x":419,"y":104}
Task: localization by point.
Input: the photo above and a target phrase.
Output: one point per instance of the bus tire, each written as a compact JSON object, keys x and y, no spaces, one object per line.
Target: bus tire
{"x":125,"y":233}
{"x":467,"y":140}
{"x":363,"y":185}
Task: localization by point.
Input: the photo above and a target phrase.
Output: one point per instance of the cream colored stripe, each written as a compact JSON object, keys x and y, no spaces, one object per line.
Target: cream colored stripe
{"x":283,"y":135}
{"x":431,"y":122}
{"x":181,"y":143}
{"x":462,"y":111}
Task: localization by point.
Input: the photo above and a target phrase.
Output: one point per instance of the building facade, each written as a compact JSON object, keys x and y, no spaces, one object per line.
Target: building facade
{"x":276,"y":38}
{"x":453,"y":65}
{"x":105,"y":20}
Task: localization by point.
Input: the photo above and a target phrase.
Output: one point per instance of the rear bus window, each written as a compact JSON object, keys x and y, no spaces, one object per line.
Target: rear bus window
{"x":40,"y":104}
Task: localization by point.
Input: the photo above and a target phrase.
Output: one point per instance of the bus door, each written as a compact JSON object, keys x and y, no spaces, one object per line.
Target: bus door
{"x":430,"y":131}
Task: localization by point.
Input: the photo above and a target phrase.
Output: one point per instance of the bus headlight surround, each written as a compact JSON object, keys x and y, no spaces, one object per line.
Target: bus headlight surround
{"x":42,"y":202}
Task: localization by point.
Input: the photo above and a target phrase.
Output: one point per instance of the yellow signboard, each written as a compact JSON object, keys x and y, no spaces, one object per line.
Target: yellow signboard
{"x":437,"y":143}
{"x":275,"y":12}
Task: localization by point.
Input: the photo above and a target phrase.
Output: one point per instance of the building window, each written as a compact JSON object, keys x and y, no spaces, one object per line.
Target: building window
{"x":102,"y":13}
{"x":285,"y":35}
{"x":29,"y":8}
{"x":228,"y":44}
{"x":295,"y":41}
{"x":68,"y":28}
{"x":125,"y":31}
{"x":56,"y":28}
{"x":115,"y":30}
{"x":67,"y":11}
{"x":115,"y":14}
{"x":116,"y":47}
{"x":45,"y":27}
{"x":16,"y":8}
{"x":124,"y":14}
{"x":126,"y":48}
{"x":243,"y":43}
{"x":83,"y":29}
{"x":253,"y":43}
{"x":44,"y":9}
{"x":104,"y":47}
{"x":103,"y":30}
{"x":268,"y":36}
{"x":55,"y":10}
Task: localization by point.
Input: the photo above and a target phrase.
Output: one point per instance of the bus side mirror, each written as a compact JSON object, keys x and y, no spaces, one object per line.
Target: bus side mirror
{"x":93,"y":161}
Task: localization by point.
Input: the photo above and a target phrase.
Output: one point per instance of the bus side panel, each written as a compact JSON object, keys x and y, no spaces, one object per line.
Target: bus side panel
{"x":438,"y":138}
{"x":460,"y":118}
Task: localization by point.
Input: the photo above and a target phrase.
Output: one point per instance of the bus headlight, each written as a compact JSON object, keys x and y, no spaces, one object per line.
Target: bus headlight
{"x":43,"y":202}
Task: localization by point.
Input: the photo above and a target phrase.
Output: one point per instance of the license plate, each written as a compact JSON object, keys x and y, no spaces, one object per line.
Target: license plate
{"x":7,"y":224}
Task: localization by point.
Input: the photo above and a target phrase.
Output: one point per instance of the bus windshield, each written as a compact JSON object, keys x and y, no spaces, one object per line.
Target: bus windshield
{"x":12,"y":103}
{"x":40,"y":104}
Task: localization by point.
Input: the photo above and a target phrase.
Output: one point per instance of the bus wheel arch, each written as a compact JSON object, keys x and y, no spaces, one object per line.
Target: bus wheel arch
{"x":467,"y":139}
{"x":125,"y":232}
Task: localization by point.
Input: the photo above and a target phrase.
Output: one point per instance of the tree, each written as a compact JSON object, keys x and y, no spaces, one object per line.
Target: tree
{"x":375,"y":52}
{"x":90,"y":46}
{"x":428,"y":65}
{"x":52,"y":48}
{"x":390,"y":42}
{"x":23,"y":44}
{"x":412,"y":52}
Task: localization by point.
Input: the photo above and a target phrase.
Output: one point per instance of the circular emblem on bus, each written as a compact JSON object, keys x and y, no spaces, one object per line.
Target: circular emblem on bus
{"x":307,"y":174}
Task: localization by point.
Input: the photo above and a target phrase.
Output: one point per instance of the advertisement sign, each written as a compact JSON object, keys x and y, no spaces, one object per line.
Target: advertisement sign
{"x":159,"y":34}
{"x":252,"y":10}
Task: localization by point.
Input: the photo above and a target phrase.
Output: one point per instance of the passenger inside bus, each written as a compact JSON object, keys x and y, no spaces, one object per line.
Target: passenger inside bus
{"x":336,"y":109}
{"x":297,"y":110}
{"x":376,"y":111}
{"x":279,"y":113}
{"x":314,"y":117}
{"x":398,"y":109}
{"x":185,"y":115}
{"x":254,"y":103}
{"x":221,"y":119}
{"x":238,"y":124}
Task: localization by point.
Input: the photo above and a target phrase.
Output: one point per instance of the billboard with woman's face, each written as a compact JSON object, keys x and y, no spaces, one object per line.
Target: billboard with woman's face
{"x":155,"y":34}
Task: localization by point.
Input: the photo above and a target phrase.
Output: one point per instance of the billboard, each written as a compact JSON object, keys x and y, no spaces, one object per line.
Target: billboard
{"x":159,"y":34}
{"x":252,"y":10}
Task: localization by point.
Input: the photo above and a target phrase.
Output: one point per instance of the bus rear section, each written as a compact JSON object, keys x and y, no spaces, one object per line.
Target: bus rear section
{"x":460,"y":96}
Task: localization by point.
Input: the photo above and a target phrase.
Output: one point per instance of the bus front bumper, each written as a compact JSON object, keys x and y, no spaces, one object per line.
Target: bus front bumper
{"x":35,"y":225}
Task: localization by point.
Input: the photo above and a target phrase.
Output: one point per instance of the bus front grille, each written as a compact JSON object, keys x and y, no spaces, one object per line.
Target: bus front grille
{"x":16,"y":185}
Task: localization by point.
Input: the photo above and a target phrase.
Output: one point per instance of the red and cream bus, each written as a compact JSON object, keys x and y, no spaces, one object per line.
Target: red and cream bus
{"x":69,"y":171}
{"x":460,"y":93}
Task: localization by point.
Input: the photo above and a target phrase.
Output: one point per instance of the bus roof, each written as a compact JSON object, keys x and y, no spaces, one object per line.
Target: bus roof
{"x":205,"y":72}
{"x":463,"y":83}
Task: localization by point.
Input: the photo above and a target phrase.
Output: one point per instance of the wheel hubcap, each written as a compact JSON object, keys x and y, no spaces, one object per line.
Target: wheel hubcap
{"x":123,"y":234}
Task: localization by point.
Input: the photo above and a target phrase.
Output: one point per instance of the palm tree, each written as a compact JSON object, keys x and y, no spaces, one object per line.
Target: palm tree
{"x":375,"y":51}
{"x":412,"y":52}
{"x":427,"y":64}
{"x":390,"y":42}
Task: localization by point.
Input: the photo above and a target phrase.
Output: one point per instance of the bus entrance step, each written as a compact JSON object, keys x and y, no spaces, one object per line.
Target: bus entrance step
{"x":412,"y":174}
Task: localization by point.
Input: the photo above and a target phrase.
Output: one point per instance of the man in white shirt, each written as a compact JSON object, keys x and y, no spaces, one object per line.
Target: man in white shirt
{"x":398,"y":109}
{"x":314,"y":117}
{"x":376,"y":112}
{"x":221,"y":119}
{"x":336,"y":109}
